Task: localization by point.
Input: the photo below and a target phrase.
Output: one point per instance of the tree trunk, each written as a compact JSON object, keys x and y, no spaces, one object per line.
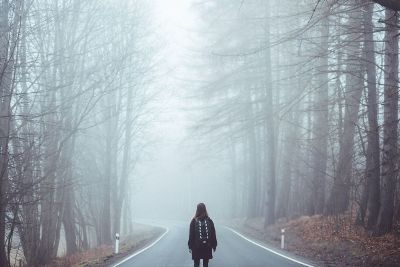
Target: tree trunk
{"x":50,"y":198}
{"x":68,"y":215}
{"x":390,"y":132}
{"x":69,"y":220}
{"x":371,"y":191}
{"x":5,"y":116}
{"x":339,"y":197}
{"x":105,"y":214}
{"x":252,"y":164}
{"x":234,"y":176}
{"x":126,"y":161}
{"x":289,"y":149}
{"x":321,"y":126}
{"x":270,"y":127}
{"x":109,"y":188}
{"x":29,"y":228}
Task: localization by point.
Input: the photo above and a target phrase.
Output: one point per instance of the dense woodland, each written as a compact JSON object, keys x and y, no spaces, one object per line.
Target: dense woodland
{"x":301,"y":96}
{"x":73,"y":94}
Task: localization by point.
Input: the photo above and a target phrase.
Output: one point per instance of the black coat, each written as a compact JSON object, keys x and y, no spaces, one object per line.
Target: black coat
{"x":202,"y":253}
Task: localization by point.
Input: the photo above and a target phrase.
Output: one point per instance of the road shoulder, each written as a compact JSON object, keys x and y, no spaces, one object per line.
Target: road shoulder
{"x":103,"y":256}
{"x":317,"y":238}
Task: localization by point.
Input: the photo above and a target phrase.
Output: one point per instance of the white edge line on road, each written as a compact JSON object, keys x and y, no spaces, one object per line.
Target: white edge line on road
{"x":270,"y":250}
{"x":143,"y":249}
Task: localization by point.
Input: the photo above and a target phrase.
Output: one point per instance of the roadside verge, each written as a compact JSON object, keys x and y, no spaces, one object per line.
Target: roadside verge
{"x":275,"y":251}
{"x":138,"y":251}
{"x":143,"y":237}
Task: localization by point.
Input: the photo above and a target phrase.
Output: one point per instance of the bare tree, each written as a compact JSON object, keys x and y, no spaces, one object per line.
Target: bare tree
{"x":339,"y":197}
{"x":371,"y":191}
{"x":390,"y":127}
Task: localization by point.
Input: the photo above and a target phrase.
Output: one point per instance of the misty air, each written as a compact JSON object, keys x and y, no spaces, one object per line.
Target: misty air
{"x":229,"y":133}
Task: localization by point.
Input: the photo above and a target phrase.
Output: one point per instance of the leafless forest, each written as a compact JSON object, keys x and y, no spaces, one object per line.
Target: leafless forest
{"x":271,"y":109}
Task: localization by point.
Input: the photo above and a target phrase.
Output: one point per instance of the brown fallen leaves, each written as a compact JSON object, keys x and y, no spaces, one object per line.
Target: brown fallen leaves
{"x":104,"y":255}
{"x":330,"y":241}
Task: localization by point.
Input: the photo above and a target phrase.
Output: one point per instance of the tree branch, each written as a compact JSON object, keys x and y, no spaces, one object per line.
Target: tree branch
{"x":391,"y":4}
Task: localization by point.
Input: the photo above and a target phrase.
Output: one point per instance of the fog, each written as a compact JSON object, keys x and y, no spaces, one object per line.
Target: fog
{"x":120,"y":111}
{"x":178,"y":171}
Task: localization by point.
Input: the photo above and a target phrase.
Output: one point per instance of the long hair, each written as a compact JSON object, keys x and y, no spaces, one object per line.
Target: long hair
{"x":201,"y":211}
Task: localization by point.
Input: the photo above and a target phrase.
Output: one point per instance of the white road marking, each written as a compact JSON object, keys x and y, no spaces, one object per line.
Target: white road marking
{"x":270,"y":250}
{"x":143,"y":249}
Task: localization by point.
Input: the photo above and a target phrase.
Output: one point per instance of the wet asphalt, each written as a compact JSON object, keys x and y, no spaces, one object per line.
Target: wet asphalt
{"x":232,"y":251}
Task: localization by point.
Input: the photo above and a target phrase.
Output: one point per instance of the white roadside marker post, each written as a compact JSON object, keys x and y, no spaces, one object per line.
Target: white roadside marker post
{"x":283,"y":238}
{"x":116,"y":243}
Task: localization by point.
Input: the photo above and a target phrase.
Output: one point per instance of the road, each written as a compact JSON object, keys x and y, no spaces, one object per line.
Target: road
{"x":232,"y":251}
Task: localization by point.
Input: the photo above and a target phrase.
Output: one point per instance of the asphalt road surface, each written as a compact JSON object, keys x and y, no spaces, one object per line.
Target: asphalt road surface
{"x":232,"y":251}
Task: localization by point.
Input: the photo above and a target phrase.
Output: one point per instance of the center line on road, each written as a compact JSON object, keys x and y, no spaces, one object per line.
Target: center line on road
{"x":268,"y":249}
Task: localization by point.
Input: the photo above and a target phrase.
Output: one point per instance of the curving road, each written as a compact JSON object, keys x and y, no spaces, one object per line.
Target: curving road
{"x":232,"y":251}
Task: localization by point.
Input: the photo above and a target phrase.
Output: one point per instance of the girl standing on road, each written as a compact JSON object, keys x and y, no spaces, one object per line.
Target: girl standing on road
{"x":202,"y":237}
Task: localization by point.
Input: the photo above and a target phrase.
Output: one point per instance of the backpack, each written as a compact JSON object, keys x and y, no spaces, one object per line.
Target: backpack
{"x":202,"y":233}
